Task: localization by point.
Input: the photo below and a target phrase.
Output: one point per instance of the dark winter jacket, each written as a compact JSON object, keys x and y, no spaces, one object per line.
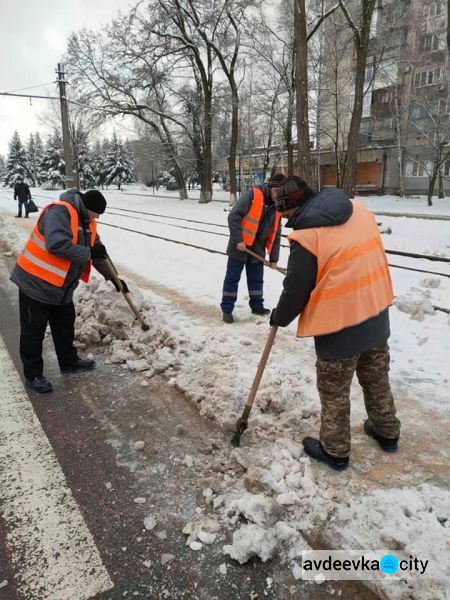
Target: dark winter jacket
{"x":237,"y":213}
{"x":330,"y":207}
{"x":55,"y":227}
{"x":22,"y":192}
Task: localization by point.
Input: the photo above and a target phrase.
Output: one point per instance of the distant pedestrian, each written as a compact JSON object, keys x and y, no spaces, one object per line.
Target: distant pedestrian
{"x":255,"y":224}
{"x":22,"y":194}
{"x":60,"y":251}
{"x":338,"y":281}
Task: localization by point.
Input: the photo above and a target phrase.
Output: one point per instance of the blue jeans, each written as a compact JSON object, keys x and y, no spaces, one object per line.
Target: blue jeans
{"x":255,"y":280}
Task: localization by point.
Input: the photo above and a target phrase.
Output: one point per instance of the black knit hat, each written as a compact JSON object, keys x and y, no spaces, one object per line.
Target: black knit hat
{"x":94,"y":200}
{"x":292,"y":192}
{"x":276,"y":180}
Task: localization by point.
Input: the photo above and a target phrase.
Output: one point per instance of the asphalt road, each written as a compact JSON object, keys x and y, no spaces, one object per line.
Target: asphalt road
{"x":92,"y":421}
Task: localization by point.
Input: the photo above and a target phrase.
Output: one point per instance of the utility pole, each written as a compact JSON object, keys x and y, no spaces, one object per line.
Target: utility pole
{"x":71,"y":178}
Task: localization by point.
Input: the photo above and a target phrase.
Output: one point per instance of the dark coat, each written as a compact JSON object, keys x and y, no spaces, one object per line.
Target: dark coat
{"x":55,"y":227}
{"x":237,"y":213}
{"x":22,"y":192}
{"x":329,"y":208}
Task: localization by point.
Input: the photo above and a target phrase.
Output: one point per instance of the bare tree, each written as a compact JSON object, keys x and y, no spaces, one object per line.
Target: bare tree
{"x":429,"y":124}
{"x":332,"y":58}
{"x":361,"y":38}
{"x":226,"y":45}
{"x":302,"y":36}
{"x":275,"y":47}
{"x":118,"y":77}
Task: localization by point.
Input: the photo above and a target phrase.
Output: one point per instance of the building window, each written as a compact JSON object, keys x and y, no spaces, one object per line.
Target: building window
{"x":367,"y":103}
{"x":447,"y":168}
{"x":418,"y":170}
{"x":434,"y":10}
{"x":427,"y":77}
{"x":374,"y":21}
{"x":429,"y":42}
{"x":385,"y":96}
{"x":386,"y":123}
{"x":443,"y":107}
{"x":417,"y":112}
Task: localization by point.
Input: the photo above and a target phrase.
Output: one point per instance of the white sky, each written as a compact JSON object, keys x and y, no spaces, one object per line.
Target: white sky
{"x":33,"y":35}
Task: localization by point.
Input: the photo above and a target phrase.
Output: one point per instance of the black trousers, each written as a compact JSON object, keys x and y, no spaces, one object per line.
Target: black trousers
{"x":34,"y":317}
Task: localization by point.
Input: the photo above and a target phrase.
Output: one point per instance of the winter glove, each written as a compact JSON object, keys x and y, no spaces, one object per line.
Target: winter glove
{"x":272,"y":314}
{"x":98,"y":251}
{"x":124,"y":286}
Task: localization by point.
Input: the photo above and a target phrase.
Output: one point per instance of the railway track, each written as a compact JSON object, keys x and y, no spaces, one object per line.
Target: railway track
{"x":132,"y":214}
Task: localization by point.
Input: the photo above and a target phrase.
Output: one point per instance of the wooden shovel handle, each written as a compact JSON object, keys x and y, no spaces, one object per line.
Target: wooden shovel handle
{"x":259,"y":372}
{"x":115,"y":278}
{"x":263,"y":260}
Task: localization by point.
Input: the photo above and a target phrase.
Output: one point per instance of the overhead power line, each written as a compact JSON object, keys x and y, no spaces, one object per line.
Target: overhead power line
{"x":31,"y":87}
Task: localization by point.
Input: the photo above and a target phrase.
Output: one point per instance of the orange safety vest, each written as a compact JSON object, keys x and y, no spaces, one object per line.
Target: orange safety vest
{"x":353,"y":280}
{"x":251,"y":221}
{"x":38,"y":261}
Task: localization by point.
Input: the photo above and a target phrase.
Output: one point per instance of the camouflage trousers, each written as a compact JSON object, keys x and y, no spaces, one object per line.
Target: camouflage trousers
{"x":334,"y":378}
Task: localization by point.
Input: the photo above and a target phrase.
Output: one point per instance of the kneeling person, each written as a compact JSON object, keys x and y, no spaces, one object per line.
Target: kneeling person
{"x":60,"y":251}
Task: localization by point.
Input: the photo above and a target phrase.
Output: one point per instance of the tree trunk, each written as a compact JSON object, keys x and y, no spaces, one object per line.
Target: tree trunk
{"x":176,"y":169}
{"x":432,"y":183}
{"x":401,"y":179}
{"x":361,"y":48}
{"x":441,"y":184}
{"x":351,"y":157}
{"x":233,"y":142}
{"x":301,"y":82}
{"x":181,"y":182}
{"x":288,"y":136}
{"x":206,"y":183}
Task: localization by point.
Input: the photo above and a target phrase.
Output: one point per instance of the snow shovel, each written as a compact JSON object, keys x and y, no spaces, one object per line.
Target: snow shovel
{"x":263,"y":260}
{"x":117,"y":281}
{"x":242,"y":422}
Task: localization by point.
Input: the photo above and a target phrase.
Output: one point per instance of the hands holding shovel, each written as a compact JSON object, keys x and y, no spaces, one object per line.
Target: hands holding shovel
{"x":122,"y":287}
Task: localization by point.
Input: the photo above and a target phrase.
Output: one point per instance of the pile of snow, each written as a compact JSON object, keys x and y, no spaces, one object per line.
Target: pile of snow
{"x":274,"y":502}
{"x":413,"y":521}
{"x":416,"y":303}
{"x":208,"y":366}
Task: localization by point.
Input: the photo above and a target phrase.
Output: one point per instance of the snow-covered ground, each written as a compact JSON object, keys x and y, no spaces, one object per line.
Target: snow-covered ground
{"x":285,"y":498}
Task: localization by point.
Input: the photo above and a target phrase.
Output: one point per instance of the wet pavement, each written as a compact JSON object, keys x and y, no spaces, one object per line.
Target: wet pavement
{"x":93,"y":421}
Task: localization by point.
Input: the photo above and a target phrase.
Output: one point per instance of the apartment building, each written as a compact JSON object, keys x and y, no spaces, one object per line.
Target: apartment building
{"x":405,"y":128}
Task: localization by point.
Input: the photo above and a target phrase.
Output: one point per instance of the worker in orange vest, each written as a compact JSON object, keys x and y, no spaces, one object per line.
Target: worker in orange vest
{"x":255,"y":224}
{"x":59,"y":252}
{"x":338,"y":281}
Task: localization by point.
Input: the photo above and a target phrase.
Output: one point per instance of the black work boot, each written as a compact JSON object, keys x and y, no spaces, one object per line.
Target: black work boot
{"x":386,"y":444}
{"x":227,"y":318}
{"x":261,"y":311}
{"x":41,"y":385}
{"x":81,"y":364}
{"x":315,"y":449}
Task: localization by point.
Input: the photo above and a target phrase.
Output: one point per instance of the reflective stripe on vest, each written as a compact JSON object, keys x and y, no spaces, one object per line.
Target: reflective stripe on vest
{"x":353,"y":280}
{"x":250,"y":222}
{"x":38,"y":261}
